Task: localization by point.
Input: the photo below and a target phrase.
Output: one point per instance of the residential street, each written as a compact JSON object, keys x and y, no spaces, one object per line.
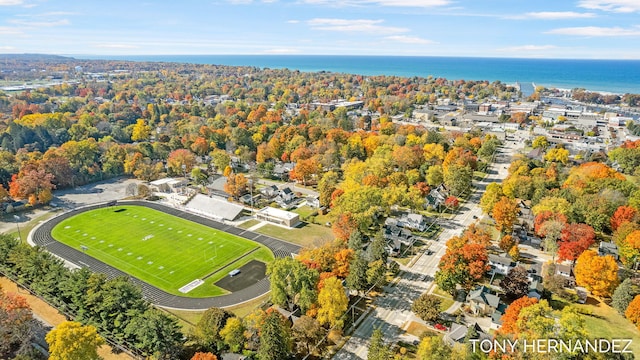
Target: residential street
{"x":393,"y":310}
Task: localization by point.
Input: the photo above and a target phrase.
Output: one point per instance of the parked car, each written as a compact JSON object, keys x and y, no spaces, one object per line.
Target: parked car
{"x":234,"y":272}
{"x":440,"y":327}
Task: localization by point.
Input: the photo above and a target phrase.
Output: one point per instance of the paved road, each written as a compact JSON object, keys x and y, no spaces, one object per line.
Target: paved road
{"x":393,"y":310}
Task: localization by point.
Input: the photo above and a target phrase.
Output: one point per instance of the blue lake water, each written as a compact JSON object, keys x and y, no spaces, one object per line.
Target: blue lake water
{"x":616,"y":76}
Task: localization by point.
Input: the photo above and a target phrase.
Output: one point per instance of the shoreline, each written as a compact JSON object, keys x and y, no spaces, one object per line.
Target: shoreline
{"x":617,"y":77}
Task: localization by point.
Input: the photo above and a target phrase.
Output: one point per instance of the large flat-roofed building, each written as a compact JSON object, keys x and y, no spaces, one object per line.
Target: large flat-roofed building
{"x":277,"y":216}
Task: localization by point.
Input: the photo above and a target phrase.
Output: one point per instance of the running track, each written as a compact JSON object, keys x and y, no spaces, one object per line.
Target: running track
{"x":41,"y":236}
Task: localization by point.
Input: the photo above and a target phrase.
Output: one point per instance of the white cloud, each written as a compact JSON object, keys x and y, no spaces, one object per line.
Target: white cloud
{"x":528,"y":48}
{"x":293,"y":21}
{"x":557,"y":15}
{"x":409,"y":39}
{"x":388,"y":3}
{"x":7,"y":30}
{"x":596,"y":31}
{"x":621,"y":6}
{"x":10,"y":2}
{"x":356,"y":25}
{"x":50,"y":14}
{"x":116,"y":46}
{"x":41,"y":23}
{"x":7,"y":48}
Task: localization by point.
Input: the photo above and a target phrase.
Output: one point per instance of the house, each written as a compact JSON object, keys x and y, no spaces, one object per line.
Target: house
{"x":291,"y":316}
{"x":394,"y":233}
{"x":483,"y":301}
{"x":413,"y":221}
{"x":458,"y":332}
{"x":501,"y":264}
{"x":313,"y":201}
{"x":270,"y":191}
{"x":393,"y":247}
{"x":496,"y":316}
{"x":437,"y":196}
{"x":526,"y":214}
{"x":608,"y":248}
{"x":282,"y":170}
{"x":285,"y":198}
{"x":566,"y":271}
{"x":536,"y":154}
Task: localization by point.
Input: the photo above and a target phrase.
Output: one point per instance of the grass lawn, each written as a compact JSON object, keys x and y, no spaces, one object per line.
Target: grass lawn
{"x":165,"y":251}
{"x":305,"y":235}
{"x":249,"y":223}
{"x":606,"y":323}
{"x":304,"y":211}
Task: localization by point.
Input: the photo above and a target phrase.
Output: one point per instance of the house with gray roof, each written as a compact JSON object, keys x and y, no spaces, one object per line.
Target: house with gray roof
{"x":483,"y":301}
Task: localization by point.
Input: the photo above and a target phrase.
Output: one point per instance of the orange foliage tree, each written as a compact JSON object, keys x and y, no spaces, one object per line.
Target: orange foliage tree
{"x":623,"y":214}
{"x":32,"y":183}
{"x":344,"y":225}
{"x":511,"y":314}
{"x":598,"y":274}
{"x":582,"y":175}
{"x":505,"y":213}
{"x":204,"y":356}
{"x":545,"y":216}
{"x":633,"y":311}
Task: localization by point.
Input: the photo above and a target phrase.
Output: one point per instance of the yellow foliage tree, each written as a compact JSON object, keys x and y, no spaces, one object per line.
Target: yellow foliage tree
{"x":332,"y":302}
{"x":141,"y":131}
{"x":71,"y":341}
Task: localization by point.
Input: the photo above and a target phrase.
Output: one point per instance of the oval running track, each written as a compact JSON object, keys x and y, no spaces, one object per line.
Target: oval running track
{"x":41,"y":236}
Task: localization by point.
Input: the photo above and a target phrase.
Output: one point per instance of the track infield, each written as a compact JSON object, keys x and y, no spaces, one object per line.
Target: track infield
{"x":163,"y":250}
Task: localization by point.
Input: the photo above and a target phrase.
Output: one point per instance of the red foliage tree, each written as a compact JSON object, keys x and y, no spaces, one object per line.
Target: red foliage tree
{"x":452,"y":202}
{"x":623,"y":214}
{"x":575,"y":239}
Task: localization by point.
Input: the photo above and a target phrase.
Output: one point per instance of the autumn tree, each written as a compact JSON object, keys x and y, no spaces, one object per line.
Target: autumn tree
{"x":204,"y":356}
{"x":16,"y":325}
{"x":491,"y":196}
{"x":332,"y":303}
{"x":307,"y":333}
{"x":515,"y":284}
{"x":427,"y":307}
{"x":208,"y":328}
{"x":598,"y":274}
{"x":623,"y":214}
{"x":575,"y":239}
{"x":507,"y":242}
{"x":545,"y":216}
{"x":181,"y":161}
{"x":233,"y":334}
{"x":70,"y":341}
{"x":33,"y":184}
{"x":326,"y":186}
{"x":632,"y":313}
{"x":540,"y":142}
{"x":536,"y":321}
{"x":236,"y":185}
{"x":462,"y":267}
{"x":141,"y":131}
{"x":512,"y":313}
{"x":434,"y":348}
{"x":505,"y":213}
{"x":630,"y":247}
{"x":344,"y":226}
{"x":304,"y":170}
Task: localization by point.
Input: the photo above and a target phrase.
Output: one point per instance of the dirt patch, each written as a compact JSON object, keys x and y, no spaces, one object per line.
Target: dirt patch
{"x":51,"y":316}
{"x":419,"y":330}
{"x":250,"y":274}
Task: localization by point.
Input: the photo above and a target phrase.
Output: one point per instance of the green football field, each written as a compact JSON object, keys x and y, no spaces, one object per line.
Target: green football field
{"x":160,"y":249}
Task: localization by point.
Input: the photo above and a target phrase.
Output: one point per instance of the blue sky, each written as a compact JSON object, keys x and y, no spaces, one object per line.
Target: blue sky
{"x":590,"y":29}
